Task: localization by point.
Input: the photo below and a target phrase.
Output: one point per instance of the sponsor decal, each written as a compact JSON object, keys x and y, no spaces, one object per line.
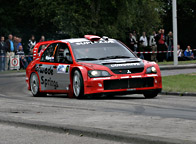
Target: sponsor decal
{"x":90,"y":42}
{"x":101,"y":78}
{"x":63,"y":69}
{"x":49,"y":58}
{"x":131,"y":89}
{"x":128,"y":71}
{"x":127,"y":64}
{"x":152,"y":75}
{"x":49,"y":82}
{"x":124,"y":77}
{"x":48,"y":71}
{"x":136,"y":76}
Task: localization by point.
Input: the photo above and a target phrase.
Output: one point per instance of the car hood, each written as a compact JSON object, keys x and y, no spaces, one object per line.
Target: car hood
{"x":125,"y":63}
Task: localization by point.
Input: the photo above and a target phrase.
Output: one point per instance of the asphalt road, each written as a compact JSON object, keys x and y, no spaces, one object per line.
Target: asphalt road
{"x":10,"y":134}
{"x":167,"y":117}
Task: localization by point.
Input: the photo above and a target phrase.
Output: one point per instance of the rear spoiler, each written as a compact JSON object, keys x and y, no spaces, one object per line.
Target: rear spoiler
{"x":39,"y":47}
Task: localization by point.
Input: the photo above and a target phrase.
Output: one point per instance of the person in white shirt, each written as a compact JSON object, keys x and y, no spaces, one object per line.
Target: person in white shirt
{"x":143,"y":44}
{"x":153,"y":45}
{"x":31,"y":44}
{"x":180,"y":54}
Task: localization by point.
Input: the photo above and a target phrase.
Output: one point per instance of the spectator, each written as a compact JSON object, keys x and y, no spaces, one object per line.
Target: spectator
{"x":153,"y":45}
{"x":169,"y":44}
{"x":19,"y":40}
{"x":188,"y":53}
{"x":132,"y":41}
{"x":2,"y":53}
{"x":23,"y":61}
{"x":10,"y":51}
{"x":143,"y":44}
{"x":42,"y":39}
{"x":31,"y":45}
{"x":15,"y":41}
{"x":161,"y":45}
{"x":135,"y":37}
{"x":180,"y":53}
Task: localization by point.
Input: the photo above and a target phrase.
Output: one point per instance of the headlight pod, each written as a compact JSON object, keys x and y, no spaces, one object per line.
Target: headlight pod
{"x":150,"y":70}
{"x":98,"y":73}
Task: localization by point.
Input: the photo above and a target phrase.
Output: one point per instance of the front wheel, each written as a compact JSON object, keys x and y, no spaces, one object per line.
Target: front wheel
{"x":150,"y":94}
{"x":78,"y":85}
{"x":34,"y":83}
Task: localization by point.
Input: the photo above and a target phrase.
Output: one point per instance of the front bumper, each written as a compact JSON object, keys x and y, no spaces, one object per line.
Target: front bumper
{"x":123,"y":83}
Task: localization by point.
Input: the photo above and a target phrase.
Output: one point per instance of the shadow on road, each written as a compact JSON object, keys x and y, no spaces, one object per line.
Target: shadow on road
{"x":96,"y":97}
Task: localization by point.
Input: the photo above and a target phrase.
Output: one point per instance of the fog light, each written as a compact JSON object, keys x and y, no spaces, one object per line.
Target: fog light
{"x":99,"y":84}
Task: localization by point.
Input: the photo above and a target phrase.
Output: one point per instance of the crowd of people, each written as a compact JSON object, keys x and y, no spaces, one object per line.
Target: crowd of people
{"x":13,"y":46}
{"x":159,"y":44}
{"x":156,"y":43}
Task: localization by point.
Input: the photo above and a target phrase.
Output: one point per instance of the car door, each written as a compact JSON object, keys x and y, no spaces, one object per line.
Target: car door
{"x":63,"y":64}
{"x":53,"y":69}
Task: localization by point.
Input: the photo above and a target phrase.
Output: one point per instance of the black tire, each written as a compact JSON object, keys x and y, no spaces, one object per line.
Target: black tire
{"x":34,"y":84}
{"x":78,"y":85}
{"x":110,"y":95}
{"x":150,"y":94}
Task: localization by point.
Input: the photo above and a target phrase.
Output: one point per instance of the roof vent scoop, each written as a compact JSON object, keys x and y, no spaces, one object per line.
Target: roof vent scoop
{"x":105,"y":38}
{"x":92,"y":37}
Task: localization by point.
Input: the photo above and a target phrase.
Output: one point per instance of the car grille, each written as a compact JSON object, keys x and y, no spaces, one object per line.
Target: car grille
{"x":128,"y":71}
{"x":128,"y":83}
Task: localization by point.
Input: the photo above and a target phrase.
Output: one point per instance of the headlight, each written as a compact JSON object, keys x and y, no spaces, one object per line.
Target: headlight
{"x":98,"y":73}
{"x":151,"y":70}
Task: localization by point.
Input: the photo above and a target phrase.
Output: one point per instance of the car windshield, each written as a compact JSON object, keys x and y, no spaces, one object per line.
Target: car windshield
{"x":89,"y":51}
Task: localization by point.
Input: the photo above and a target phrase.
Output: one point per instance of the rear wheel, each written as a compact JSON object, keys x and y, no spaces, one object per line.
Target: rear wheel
{"x":78,"y":85}
{"x":150,"y":94}
{"x":34,"y":83}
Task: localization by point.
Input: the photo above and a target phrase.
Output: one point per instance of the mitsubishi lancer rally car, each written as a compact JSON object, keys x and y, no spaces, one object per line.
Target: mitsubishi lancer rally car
{"x":88,"y":66}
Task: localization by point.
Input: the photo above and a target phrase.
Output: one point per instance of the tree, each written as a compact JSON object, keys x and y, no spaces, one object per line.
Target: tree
{"x":186,"y":13}
{"x":75,"y":18}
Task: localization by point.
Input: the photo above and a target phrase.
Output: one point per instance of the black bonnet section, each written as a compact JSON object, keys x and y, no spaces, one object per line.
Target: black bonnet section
{"x":122,"y":66}
{"x":125,"y":66}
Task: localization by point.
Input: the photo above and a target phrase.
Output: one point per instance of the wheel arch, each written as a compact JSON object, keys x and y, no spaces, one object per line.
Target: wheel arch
{"x":38,"y":80}
{"x":84,"y":74}
{"x":82,"y":70}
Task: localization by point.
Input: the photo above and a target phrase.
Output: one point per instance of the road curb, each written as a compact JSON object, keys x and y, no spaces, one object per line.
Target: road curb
{"x":178,"y":93}
{"x":92,"y":132}
{"x":172,"y":67}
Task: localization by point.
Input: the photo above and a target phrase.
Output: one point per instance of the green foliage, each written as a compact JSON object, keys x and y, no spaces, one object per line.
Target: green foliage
{"x":113,"y":18}
{"x":186,"y":16}
{"x":74,"y":18}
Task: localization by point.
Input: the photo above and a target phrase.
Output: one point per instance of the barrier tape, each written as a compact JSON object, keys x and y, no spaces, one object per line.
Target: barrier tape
{"x":147,"y":52}
{"x":153,"y":52}
{"x":157,"y":51}
{"x":19,"y":55}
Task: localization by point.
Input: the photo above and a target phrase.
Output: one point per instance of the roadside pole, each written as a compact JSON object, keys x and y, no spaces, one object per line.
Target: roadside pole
{"x":175,"y":36}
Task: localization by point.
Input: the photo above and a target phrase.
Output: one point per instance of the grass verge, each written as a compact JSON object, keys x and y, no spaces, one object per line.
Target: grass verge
{"x":179,"y":83}
{"x":179,"y":62}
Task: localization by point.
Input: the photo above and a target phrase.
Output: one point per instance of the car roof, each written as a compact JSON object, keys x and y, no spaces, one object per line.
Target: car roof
{"x":75,"y":40}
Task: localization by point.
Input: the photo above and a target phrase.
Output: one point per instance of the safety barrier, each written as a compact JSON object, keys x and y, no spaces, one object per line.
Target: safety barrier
{"x":154,"y":52}
{"x":18,"y":55}
{"x":146,"y":52}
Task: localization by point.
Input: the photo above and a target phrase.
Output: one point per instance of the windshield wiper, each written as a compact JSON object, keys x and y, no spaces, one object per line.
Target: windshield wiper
{"x":114,"y":57}
{"x":87,"y":59}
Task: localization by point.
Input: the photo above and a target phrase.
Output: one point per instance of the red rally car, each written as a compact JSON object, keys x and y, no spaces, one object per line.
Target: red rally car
{"x":90,"y":65}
